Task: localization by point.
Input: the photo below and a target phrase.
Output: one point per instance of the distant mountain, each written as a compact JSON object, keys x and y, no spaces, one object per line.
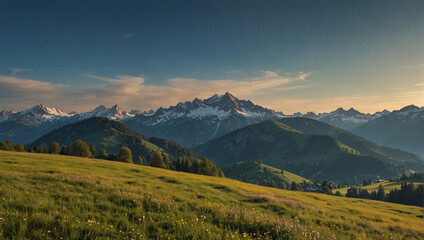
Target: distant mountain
{"x":261,"y":174}
{"x":113,"y":113}
{"x":28,"y":125}
{"x":310,"y":126}
{"x":112,"y":135}
{"x":5,"y":114}
{"x":36,"y":115}
{"x":311,"y":156}
{"x":194,"y":122}
{"x":345,"y":119}
{"x":402,"y":129}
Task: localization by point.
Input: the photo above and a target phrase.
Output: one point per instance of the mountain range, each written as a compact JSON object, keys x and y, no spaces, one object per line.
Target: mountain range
{"x":345,"y":119}
{"x":402,"y":129}
{"x":364,"y":146}
{"x":309,"y":155}
{"x":198,"y":121}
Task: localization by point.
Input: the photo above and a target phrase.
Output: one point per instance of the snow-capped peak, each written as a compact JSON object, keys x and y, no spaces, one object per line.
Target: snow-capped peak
{"x":37,"y":114}
{"x":114,"y":113}
{"x":44,"y":110}
{"x":215,"y":108}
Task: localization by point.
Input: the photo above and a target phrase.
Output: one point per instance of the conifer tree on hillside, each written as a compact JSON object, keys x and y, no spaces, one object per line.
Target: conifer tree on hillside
{"x":20,"y":147}
{"x":65,"y":150}
{"x":166,"y":161}
{"x":157,"y":161}
{"x":54,"y":148}
{"x":92,"y":150}
{"x":141,"y":160}
{"x":3,"y":146}
{"x":380,"y":193}
{"x":10,"y":145}
{"x":102,"y":154}
{"x":42,"y":148}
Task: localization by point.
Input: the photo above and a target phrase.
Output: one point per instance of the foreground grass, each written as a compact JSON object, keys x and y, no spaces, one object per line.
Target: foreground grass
{"x":58,"y":197}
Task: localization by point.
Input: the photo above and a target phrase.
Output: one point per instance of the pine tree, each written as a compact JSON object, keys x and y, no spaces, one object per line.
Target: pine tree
{"x":92,"y":149}
{"x":294,"y":186}
{"x":380,"y":193}
{"x":125,"y":155}
{"x":20,"y":147}
{"x":54,"y":148}
{"x":3,"y":146}
{"x":10,"y":145}
{"x":196,"y":166}
{"x":102,"y":154}
{"x":64,"y":150}
{"x":42,"y":148}
{"x":141,"y":160}
{"x":166,"y":161}
{"x":157,"y":161}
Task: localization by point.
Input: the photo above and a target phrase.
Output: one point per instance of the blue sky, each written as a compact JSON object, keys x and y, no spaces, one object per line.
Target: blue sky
{"x":287,"y":55}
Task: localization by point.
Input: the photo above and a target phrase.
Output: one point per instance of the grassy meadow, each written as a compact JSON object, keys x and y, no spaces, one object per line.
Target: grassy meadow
{"x":60,"y":197}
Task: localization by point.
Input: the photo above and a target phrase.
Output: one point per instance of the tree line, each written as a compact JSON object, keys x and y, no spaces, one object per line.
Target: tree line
{"x":184,"y":164}
{"x":80,"y":148}
{"x":409,"y":194}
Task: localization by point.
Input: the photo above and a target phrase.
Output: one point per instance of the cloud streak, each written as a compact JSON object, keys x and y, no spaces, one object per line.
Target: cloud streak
{"x":17,"y":70}
{"x":19,"y":92}
{"x":129,"y":35}
{"x":133,"y":92}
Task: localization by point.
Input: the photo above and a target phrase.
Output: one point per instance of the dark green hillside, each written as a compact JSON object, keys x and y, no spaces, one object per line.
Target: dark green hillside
{"x":261,"y":174}
{"x":112,"y":135}
{"x":310,"y":126}
{"x":312,"y":156}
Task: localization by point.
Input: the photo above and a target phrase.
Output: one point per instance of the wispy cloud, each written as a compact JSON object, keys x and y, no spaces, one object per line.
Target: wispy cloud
{"x":17,"y":92}
{"x":129,"y":35}
{"x":233,"y":71}
{"x":419,"y":84}
{"x":134,"y":92}
{"x":17,"y":70}
{"x":419,"y":65}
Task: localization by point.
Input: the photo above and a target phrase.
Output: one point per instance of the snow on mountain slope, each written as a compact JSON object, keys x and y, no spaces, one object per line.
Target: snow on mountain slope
{"x":200,"y":120}
{"x":217,"y":107}
{"x":113,"y":113}
{"x":4,"y":115}
{"x":37,"y":114}
{"x":345,"y":119}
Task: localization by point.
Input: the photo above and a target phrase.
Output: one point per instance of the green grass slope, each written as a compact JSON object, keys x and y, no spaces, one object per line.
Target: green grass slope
{"x":313,"y":156}
{"x":310,"y":126}
{"x":112,"y":135}
{"x":261,"y":174}
{"x":61,"y":197}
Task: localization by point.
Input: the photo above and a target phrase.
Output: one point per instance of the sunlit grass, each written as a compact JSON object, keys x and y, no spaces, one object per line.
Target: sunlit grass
{"x":60,"y":197}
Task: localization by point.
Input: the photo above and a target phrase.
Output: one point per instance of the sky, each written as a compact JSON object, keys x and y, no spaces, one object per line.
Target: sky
{"x":290,"y":56}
